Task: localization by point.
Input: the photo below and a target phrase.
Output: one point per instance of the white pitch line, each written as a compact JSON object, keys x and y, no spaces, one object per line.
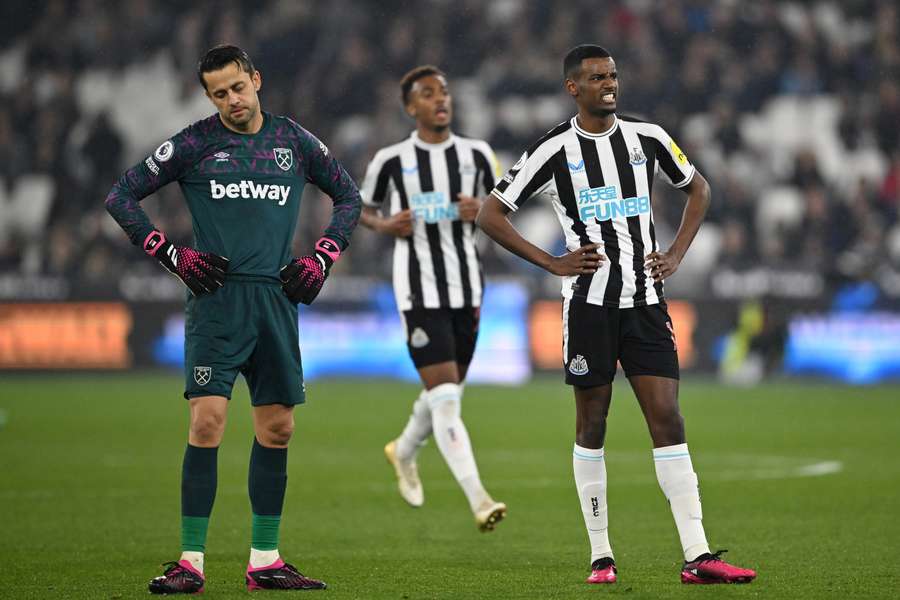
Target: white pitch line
{"x":823,"y":468}
{"x":817,"y":469}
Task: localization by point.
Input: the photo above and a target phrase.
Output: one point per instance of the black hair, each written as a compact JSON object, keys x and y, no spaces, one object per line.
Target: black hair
{"x":219,"y":57}
{"x":579,"y":53}
{"x":413,"y":76}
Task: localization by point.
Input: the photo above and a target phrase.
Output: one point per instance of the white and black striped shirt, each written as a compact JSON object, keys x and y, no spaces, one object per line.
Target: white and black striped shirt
{"x":600,"y":186}
{"x":438,"y":266}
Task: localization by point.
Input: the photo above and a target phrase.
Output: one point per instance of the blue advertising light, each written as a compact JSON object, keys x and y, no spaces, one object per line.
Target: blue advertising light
{"x":338,"y":340}
{"x":854,"y":347}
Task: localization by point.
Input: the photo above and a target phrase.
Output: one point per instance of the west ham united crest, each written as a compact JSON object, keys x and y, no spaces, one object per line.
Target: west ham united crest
{"x":202,"y":375}
{"x":284,"y":158}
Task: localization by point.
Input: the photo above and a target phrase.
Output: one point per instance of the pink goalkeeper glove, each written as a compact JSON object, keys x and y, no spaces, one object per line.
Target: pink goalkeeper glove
{"x":302,"y":278}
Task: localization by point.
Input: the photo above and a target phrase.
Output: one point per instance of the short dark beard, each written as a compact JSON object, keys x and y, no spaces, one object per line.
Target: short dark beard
{"x":251,"y":114}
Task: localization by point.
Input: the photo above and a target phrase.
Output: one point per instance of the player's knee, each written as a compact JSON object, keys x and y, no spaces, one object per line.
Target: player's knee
{"x":207,"y":428}
{"x":277,"y":433}
{"x":593,"y":417}
{"x":668,"y":429}
{"x":590,"y":433}
{"x":444,"y":401}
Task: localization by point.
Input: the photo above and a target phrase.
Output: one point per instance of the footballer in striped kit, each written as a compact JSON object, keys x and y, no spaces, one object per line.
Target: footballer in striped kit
{"x":597,"y":170}
{"x":426,"y":192}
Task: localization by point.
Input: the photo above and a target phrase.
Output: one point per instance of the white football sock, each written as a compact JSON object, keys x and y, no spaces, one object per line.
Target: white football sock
{"x":262,"y":558}
{"x":590,"y":482}
{"x":453,"y":441}
{"x":678,"y":481}
{"x":195,"y":558}
{"x":417,"y":429}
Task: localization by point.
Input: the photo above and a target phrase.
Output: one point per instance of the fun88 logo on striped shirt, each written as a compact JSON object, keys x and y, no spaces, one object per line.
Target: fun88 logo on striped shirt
{"x":603,"y":204}
{"x":433,"y":207}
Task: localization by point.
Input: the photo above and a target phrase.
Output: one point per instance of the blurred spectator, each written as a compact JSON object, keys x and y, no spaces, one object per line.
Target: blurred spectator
{"x":103,"y":149}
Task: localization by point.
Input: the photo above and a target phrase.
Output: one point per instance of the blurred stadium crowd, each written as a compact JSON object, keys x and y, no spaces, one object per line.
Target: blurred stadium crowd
{"x":791,"y":110}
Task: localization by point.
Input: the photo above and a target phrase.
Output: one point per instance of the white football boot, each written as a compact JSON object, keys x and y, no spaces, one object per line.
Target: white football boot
{"x":407,"y":476}
{"x":489,"y":514}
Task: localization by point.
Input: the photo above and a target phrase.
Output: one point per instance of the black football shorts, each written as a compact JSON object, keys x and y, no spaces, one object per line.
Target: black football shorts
{"x":596,"y":338}
{"x":436,"y":335}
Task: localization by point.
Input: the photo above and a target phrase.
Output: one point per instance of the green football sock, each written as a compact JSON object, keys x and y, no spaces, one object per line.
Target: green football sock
{"x":264,"y":532}
{"x":198,"y":492}
{"x":267,"y":483}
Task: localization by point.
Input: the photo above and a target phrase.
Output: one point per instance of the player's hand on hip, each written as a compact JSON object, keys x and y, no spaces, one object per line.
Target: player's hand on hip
{"x":468,"y":207}
{"x":583,"y":261}
{"x":399,"y":224}
{"x":661,"y":265}
{"x":201,"y":272}
{"x":302,"y":278}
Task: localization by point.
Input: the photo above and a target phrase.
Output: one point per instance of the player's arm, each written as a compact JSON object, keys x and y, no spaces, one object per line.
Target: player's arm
{"x":303,"y":277}
{"x":529,"y":177}
{"x":201,"y":272}
{"x":493,"y":219}
{"x":398,"y":225}
{"x":664,"y":264}
{"x":376,"y":188}
{"x":683,"y":175}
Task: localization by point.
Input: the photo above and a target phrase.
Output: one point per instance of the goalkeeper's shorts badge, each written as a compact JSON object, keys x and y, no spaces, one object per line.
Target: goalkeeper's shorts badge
{"x":418,"y":339}
{"x":202,"y":375}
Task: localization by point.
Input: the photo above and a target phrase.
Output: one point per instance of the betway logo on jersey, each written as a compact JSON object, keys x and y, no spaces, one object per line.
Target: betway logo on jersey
{"x":249,"y":190}
{"x":603,"y":204}
{"x":433,"y":207}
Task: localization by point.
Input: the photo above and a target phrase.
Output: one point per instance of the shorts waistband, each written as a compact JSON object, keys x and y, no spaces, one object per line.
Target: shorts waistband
{"x":248,"y":278}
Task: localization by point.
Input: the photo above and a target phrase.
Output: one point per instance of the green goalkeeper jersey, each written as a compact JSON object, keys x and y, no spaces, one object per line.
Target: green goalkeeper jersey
{"x":243,"y":190}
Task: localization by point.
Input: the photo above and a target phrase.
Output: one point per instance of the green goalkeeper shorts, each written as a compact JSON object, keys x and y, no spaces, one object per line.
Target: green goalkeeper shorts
{"x":246,"y":327}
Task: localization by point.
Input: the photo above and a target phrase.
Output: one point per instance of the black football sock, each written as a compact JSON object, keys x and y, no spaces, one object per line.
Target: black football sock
{"x":267,"y":483}
{"x":198,"y":492}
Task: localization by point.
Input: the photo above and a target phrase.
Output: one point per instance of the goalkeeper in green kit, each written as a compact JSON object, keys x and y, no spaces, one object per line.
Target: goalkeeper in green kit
{"x":242,"y":173}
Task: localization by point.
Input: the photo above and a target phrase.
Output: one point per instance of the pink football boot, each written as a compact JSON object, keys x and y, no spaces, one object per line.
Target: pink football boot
{"x":603,"y":570}
{"x":709,"y":568}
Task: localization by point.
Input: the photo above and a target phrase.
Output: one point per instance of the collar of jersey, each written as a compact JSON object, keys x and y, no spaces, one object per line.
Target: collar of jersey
{"x":606,"y":133}
{"x":422,"y":143}
{"x":267,"y":121}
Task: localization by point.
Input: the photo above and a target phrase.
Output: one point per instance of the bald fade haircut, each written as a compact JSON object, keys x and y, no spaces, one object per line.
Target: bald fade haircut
{"x":573,"y":59}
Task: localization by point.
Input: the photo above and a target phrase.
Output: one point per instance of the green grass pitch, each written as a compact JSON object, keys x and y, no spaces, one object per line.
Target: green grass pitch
{"x":799,"y":480}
